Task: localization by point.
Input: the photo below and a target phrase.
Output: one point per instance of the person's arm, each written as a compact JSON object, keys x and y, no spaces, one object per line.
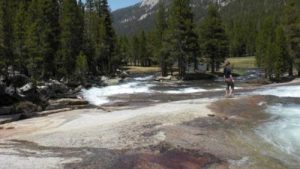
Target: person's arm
{"x":231,"y":77}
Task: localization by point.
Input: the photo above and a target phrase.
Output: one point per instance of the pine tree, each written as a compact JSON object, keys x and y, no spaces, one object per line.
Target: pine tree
{"x":281,"y":53}
{"x":33,"y":39}
{"x":135,"y":50}
{"x":161,"y":26}
{"x":181,"y":35}
{"x":108,"y":38}
{"x":81,"y":66}
{"x":6,"y":33}
{"x":70,"y":36}
{"x":265,"y":45}
{"x":122,"y":51}
{"x":49,"y":35}
{"x":292,"y":30}
{"x":19,"y":29}
{"x":143,"y":50}
{"x":213,"y":37}
{"x":91,"y":34}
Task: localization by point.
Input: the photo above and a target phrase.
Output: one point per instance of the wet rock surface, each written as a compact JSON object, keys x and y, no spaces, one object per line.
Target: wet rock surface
{"x":157,"y":132}
{"x":174,"y":135}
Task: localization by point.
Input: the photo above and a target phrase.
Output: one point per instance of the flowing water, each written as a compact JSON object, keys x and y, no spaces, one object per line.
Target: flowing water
{"x":282,"y":130}
{"x":147,"y":85}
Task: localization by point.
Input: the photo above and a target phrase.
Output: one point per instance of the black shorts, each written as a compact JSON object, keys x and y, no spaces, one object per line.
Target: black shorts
{"x":230,"y":84}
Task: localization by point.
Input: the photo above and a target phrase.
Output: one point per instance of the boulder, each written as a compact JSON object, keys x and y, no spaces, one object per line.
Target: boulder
{"x":26,"y":90}
{"x":57,"y":86}
{"x":53,"y":89}
{"x":2,"y":89}
{"x":162,"y":78}
{"x":7,"y":95}
{"x":77,"y":89}
{"x":104,"y":78}
{"x":29,"y":92}
{"x":122,"y":74}
{"x":27,"y":109}
{"x":10,"y":90}
{"x":18,"y":80}
{"x":108,"y":82}
{"x":6,"y":110}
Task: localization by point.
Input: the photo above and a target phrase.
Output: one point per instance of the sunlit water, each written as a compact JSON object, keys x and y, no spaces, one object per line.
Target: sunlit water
{"x":283,"y":128}
{"x":283,"y":91}
{"x":139,"y":85}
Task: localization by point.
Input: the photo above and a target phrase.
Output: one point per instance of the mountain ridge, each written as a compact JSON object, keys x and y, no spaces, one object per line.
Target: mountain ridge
{"x":141,"y":16}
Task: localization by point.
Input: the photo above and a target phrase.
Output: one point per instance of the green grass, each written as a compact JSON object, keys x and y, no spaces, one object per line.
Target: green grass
{"x":142,"y":70}
{"x":241,"y":64}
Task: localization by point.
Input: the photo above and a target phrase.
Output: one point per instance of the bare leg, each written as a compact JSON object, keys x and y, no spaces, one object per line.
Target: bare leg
{"x":231,"y":91}
{"x":226,"y":92}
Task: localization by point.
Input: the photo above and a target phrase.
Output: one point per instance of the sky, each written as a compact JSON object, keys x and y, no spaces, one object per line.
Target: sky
{"x":117,"y":4}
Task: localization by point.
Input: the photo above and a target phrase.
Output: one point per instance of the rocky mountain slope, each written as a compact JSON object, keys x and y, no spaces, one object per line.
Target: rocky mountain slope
{"x":141,"y":16}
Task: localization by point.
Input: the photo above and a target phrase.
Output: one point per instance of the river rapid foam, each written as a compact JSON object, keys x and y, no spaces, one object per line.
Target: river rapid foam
{"x":283,"y":128}
{"x":100,"y":95}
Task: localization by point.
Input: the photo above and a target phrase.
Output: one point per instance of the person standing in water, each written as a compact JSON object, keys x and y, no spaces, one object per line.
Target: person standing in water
{"x":228,"y":80}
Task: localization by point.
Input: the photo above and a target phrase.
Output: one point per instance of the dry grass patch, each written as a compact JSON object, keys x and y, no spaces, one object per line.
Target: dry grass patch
{"x":144,"y":70}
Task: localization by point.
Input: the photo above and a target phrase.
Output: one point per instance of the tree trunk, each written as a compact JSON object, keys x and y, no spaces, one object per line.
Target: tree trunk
{"x":218,"y":66}
{"x":291,"y":69}
{"x":212,"y":65}
{"x":195,"y":63}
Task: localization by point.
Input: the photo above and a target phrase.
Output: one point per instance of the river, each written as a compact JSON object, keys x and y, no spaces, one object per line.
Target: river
{"x":281,"y":129}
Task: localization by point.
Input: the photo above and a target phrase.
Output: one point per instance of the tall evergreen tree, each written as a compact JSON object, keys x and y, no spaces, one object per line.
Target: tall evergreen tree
{"x":281,"y":53}
{"x":122,"y":51}
{"x":70,"y":36}
{"x":213,"y":37}
{"x":19,"y":29}
{"x":265,"y":44}
{"x":108,"y":39}
{"x":33,"y":39}
{"x":292,"y":30}
{"x":161,"y":26}
{"x":91,"y":34}
{"x":6,"y":33}
{"x":135,"y":50}
{"x":49,"y":35}
{"x":181,"y":35}
{"x":41,"y":42}
{"x":143,"y":50}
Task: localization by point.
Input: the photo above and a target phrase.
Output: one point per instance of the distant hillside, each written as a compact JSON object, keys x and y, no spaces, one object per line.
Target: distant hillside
{"x":142,"y":15}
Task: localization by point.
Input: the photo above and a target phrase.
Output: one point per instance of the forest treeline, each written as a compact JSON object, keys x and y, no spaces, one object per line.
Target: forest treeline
{"x":68,"y":38}
{"x":57,"y":38}
{"x":270,"y":32}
